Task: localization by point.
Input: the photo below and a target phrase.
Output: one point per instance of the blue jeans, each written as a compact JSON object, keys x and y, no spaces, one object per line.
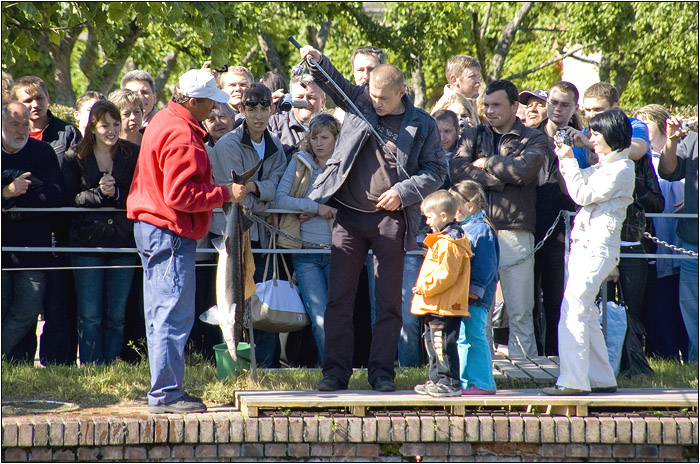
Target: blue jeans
{"x":312,"y":275}
{"x":475,"y":367}
{"x":22,"y":295}
{"x":102,"y":295}
{"x":410,"y":338}
{"x":688,"y":299}
{"x":168,"y":298}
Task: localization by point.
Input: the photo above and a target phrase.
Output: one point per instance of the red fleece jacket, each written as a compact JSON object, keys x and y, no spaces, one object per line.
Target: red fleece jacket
{"x":173,"y":186}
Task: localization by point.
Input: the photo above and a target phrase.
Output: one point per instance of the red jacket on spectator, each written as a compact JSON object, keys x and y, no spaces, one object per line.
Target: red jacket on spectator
{"x":173,"y":187}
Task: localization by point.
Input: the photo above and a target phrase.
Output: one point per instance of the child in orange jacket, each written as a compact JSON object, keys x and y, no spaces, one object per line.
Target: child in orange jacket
{"x":441,"y":294}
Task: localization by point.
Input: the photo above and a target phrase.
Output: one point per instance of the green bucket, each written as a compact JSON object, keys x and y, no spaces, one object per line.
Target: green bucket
{"x":225,"y":365}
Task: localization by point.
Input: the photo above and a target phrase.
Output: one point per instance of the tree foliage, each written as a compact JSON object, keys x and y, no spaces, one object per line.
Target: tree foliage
{"x":649,"y":50}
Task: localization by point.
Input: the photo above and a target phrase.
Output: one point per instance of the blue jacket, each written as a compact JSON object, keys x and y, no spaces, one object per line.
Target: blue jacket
{"x":484,"y":261}
{"x":418,"y":151}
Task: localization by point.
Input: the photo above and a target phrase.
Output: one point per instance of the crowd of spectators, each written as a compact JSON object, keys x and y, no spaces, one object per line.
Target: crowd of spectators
{"x":351,"y":194}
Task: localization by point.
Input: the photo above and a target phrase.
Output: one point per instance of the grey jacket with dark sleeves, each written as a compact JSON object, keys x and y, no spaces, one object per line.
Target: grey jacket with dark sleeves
{"x":286,"y":128}
{"x":418,"y":151}
{"x":509,"y":177}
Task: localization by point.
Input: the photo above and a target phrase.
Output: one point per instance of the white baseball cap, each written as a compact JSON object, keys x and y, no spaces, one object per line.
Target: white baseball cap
{"x":199,"y":83}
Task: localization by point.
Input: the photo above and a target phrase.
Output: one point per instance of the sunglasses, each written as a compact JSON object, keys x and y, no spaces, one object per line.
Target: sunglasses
{"x":253,"y":103}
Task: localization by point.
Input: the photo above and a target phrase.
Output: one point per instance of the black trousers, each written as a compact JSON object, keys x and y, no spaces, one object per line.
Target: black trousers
{"x":549,"y":279}
{"x":440,"y":335}
{"x":354,"y":233}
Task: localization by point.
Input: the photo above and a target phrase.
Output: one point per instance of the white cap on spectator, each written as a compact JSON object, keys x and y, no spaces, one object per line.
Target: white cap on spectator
{"x":198,"y":83}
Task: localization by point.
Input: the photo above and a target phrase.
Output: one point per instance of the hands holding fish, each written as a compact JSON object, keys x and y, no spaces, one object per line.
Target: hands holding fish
{"x":238,"y":191}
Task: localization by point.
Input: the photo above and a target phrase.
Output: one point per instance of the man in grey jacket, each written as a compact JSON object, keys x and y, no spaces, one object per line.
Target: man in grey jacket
{"x":505,"y":157}
{"x":378,"y":208}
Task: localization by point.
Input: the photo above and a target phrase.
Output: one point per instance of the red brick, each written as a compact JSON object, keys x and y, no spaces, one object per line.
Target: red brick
{"x":112,"y":453}
{"x":576,"y":450}
{"x":485,"y":428}
{"x":669,"y":431}
{"x":413,"y":449}
{"x":266,"y":430}
{"x":131,"y":435}
{"x":647,"y":451}
{"x":384,"y":429}
{"x":229,"y":450}
{"x":117,"y":431}
{"x":553,"y":451}
{"x":41,"y":433}
{"x":607,"y":430}
{"x":87,"y":432}
{"x":25,"y":433}
{"x":578,"y":429}
{"x":500,"y":428}
{"x":427,"y":428}
{"x":344,"y":450}
{"x":471,"y":428}
{"x":623,"y":430}
{"x":15,"y":455}
{"x":310,"y":429}
{"x":398,"y":428}
{"x":9,"y":433}
{"x":436,"y":449}
{"x":298,"y":450}
{"x":159,"y":452}
{"x":101,"y":431}
{"x":653,"y":430}
{"x":369,"y":429}
{"x":321,"y":449}
{"x":599,"y":451}
{"x":296,"y":429}
{"x":639,"y":430}
{"x":442,"y":423}
{"x":135,"y":453}
{"x":412,"y":428}
{"x":355,"y":429}
{"x":176,"y":429}
{"x":547,"y":429}
{"x":160,"y":429}
{"x":56,"y":429}
{"x":146,"y":430}
{"x":694,"y":421}
{"x":252,"y":450}
{"x":685,"y":430}
{"x":516,"y":429}
{"x":275,"y":450}
{"x":281,"y":425}
{"x":71,"y":432}
{"x":562,"y":429}
{"x":340,"y":435}
{"x":40,"y":454}
{"x":623,"y":451}
{"x":221,"y":428}
{"x":367,"y":450}
{"x":236,"y":429}
{"x":325,"y":429}
{"x":456,"y":429}
{"x":206,"y":428}
{"x":205,"y":451}
{"x":87,"y":454}
{"x":183,"y":451}
{"x":531,"y":430}
{"x":250,"y":426}
{"x":461,"y":449}
{"x":64,"y":455}
{"x":528,"y":449}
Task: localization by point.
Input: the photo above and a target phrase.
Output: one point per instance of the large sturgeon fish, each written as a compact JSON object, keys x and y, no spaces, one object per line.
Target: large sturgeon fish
{"x":234,"y":273}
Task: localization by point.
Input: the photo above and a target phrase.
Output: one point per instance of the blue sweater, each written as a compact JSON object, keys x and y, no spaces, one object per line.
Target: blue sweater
{"x":484,"y":272}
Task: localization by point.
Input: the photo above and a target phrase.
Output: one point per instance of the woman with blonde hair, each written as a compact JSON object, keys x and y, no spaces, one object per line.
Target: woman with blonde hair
{"x":462,"y":107}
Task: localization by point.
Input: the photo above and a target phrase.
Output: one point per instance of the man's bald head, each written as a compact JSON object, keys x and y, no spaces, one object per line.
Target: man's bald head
{"x":386,"y":75}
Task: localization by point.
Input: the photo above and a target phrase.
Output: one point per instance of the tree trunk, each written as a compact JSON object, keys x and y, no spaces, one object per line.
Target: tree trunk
{"x":60,"y":55}
{"x":106,"y":76}
{"x":503,"y":47}
{"x":88,"y":60}
{"x":164,"y":74}
{"x":418,"y":81}
{"x":318,"y":38}
{"x":604,"y":70}
{"x":270,"y":51}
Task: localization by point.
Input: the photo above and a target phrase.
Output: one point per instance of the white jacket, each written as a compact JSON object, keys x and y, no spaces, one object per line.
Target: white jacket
{"x":604,"y":191}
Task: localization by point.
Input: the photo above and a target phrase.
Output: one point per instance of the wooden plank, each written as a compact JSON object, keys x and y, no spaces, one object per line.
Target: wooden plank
{"x":531,"y":369}
{"x":546,"y":364}
{"x":359,"y":411}
{"x":509,"y":370}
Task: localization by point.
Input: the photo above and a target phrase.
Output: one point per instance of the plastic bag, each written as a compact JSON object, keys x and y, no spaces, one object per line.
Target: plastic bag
{"x":616,"y":331}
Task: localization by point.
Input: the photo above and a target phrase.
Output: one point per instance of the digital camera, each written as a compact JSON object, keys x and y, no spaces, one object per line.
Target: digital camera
{"x":689,"y":124}
{"x":563,"y":138}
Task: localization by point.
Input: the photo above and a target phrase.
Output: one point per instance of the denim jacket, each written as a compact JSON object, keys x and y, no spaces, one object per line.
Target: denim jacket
{"x":484,"y":272}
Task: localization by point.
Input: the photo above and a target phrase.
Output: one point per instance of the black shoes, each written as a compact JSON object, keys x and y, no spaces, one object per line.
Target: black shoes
{"x":384,"y":384}
{"x":330,"y":383}
{"x":612,"y":389}
{"x":184,"y":405}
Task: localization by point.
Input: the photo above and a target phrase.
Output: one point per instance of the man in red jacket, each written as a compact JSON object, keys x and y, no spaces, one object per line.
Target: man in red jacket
{"x":171,"y":201}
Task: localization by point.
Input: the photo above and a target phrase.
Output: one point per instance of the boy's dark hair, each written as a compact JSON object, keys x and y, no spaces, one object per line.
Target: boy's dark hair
{"x":614,"y":126}
{"x":447,"y":115}
{"x":510,"y":89}
{"x":258,"y":92}
{"x":274,"y":81}
{"x":368,"y":50}
{"x":566,"y":87}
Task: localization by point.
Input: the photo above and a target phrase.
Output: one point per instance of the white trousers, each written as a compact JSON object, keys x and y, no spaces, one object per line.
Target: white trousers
{"x":518,"y":287}
{"x":583,"y":356}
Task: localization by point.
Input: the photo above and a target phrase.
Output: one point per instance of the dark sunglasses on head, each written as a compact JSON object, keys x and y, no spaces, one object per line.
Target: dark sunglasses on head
{"x":253,"y":103}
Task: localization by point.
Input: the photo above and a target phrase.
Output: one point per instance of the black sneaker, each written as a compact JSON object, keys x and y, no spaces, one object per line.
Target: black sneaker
{"x":184,"y":405}
{"x":330,"y":383}
{"x":384,"y":384}
{"x":612,"y":389}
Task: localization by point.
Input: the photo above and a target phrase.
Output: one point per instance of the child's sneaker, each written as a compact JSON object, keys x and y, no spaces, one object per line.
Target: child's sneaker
{"x":439,"y":390}
{"x":421,"y":389}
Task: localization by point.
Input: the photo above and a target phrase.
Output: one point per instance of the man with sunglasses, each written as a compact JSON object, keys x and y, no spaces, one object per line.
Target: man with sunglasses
{"x":240,"y":150}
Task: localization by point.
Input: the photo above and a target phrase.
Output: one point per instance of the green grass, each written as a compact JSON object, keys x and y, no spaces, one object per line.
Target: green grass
{"x":123,"y":383}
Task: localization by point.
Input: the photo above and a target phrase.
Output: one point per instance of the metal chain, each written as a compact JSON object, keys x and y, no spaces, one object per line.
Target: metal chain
{"x":286,"y":235}
{"x":669,"y":245}
{"x":540,"y":244}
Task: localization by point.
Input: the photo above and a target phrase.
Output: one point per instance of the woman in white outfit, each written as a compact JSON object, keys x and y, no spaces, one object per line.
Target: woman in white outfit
{"x":603,"y":191}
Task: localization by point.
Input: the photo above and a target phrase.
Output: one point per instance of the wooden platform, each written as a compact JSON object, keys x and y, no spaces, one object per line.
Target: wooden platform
{"x":540,"y":369}
{"x":357,"y":402}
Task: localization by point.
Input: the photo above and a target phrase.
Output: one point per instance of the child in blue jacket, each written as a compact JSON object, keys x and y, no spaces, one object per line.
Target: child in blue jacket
{"x":475,"y":365}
